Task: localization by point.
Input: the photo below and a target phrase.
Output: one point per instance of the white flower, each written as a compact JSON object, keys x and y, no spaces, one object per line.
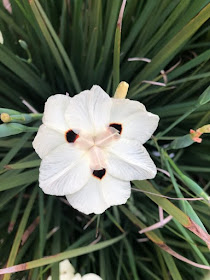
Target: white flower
{"x":89,"y":276}
{"x":66,"y":271}
{"x":91,"y":147}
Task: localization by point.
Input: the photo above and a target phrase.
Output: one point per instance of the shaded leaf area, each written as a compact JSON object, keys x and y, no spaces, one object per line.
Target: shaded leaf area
{"x":67,"y":46}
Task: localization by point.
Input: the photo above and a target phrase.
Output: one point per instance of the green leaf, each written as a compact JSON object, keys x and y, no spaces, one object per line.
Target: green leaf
{"x":189,"y":65}
{"x":65,"y":255}
{"x":185,"y":206}
{"x":131,"y":259}
{"x":171,"y":266}
{"x":174,"y":45}
{"x":205,"y":97}
{"x":57,"y":48}
{"x":161,"y":201}
{"x":26,"y":177}
{"x":23,"y":165}
{"x":116,"y":62}
{"x":189,"y":182}
{"x":20,"y":231}
{"x":7,"y":196}
{"x":181,"y":142}
{"x":23,"y":71}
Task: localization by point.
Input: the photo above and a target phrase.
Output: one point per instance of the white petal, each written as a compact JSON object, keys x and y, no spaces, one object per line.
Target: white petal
{"x":76,"y":277}
{"x":46,"y":140}
{"x":137,"y":123}
{"x":115,"y":191}
{"x":65,"y":277}
{"x":65,"y":267}
{"x":140,"y":126}
{"x":91,"y":276}
{"x":97,"y":195}
{"x":64,"y":171}
{"x":123,"y":108}
{"x":90,"y":198}
{"x":89,"y":111}
{"x":66,"y":271}
{"x":128,"y":160}
{"x":54,"y":112}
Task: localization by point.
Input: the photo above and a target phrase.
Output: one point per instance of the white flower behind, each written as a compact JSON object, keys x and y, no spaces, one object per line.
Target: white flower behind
{"x":89,"y":276}
{"x":91,"y":147}
{"x":66,"y":272}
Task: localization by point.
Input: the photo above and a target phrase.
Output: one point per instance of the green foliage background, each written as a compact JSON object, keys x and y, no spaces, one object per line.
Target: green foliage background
{"x":69,"y":46}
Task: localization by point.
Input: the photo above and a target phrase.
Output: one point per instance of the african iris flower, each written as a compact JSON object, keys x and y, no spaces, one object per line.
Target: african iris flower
{"x":67,"y":272}
{"x":91,"y":147}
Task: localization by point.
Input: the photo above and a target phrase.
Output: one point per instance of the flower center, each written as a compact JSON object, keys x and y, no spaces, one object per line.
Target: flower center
{"x":95,"y":146}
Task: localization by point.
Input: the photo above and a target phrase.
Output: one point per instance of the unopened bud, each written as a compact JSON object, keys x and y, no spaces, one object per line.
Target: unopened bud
{"x":121,"y":90}
{"x":5,"y":117}
{"x":23,"y":44}
{"x":7,"y":129}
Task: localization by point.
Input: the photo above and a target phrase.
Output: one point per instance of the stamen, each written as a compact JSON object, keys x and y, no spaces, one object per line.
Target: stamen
{"x":71,"y":136}
{"x":117,"y":126}
{"x":97,"y":160}
{"x":106,"y":137}
{"x":99,"y":173}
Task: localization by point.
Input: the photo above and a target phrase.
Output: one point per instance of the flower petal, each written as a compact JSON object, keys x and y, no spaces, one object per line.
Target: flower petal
{"x":91,"y":276}
{"x":89,"y":111}
{"x":115,"y":191}
{"x":97,"y":195}
{"x":64,"y":171}
{"x":90,"y":198}
{"x":64,"y":277}
{"x":137,"y":123}
{"x":129,"y":160}
{"x":46,"y":140}
{"x":77,"y":276}
{"x":65,"y":267}
{"x":54,"y":112}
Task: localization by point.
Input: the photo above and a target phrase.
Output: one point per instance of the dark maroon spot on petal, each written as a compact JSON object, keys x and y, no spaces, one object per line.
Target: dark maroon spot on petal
{"x":71,"y":136}
{"x":117,"y":126}
{"x":99,"y":173}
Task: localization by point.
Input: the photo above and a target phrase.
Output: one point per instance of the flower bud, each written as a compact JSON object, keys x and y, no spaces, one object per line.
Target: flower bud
{"x":5,"y":118}
{"x":9,"y":111}
{"x":14,"y":128}
{"x":181,"y":142}
{"x":121,"y":90}
{"x":23,"y":44}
